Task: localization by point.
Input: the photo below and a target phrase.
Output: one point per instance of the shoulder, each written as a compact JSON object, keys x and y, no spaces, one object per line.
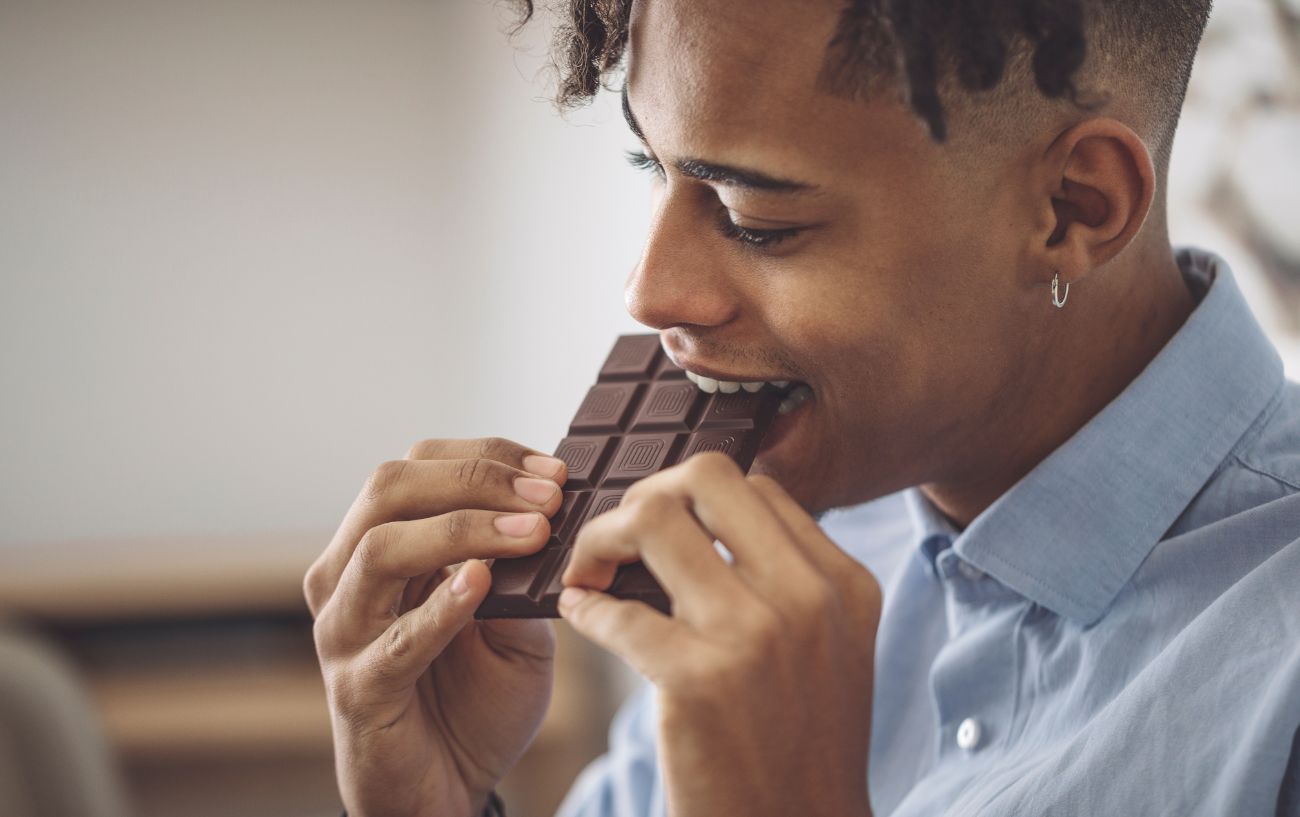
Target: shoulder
{"x":1271,"y":449}
{"x":1258,"y":483}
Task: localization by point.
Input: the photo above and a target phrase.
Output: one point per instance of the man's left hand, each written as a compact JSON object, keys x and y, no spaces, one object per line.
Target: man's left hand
{"x":764,"y":670}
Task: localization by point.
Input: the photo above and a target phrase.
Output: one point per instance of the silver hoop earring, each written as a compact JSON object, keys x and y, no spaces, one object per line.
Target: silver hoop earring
{"x":1056,"y":280}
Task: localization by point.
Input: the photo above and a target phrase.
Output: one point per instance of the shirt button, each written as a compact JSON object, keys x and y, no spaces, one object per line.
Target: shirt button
{"x":969,"y":734}
{"x":969,"y":570}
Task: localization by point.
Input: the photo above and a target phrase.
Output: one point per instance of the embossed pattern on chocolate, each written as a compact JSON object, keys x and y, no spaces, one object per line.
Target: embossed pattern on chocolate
{"x":640,"y":417}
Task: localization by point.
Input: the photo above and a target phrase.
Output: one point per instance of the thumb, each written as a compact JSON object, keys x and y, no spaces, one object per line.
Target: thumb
{"x":404,"y":651}
{"x":639,"y":634}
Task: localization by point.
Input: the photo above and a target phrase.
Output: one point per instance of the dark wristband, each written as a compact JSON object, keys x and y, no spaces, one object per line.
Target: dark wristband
{"x":493,"y":808}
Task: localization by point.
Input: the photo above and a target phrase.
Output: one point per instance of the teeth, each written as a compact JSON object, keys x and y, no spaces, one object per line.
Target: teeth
{"x":711,"y":385}
{"x":795,"y":399}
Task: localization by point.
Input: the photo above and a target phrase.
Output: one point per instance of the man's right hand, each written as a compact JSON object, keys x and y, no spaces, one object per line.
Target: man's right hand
{"x":430,"y":707}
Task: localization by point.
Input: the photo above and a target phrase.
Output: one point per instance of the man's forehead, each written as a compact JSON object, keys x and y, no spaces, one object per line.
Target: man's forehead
{"x":709,"y":81}
{"x":726,"y":57}
{"x":736,"y":82}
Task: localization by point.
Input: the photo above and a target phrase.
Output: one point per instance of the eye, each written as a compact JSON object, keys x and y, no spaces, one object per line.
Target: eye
{"x":754,"y":238}
{"x":733,"y":231}
{"x":643,"y":161}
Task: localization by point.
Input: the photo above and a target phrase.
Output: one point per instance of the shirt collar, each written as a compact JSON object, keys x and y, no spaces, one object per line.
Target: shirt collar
{"x":934,"y":533}
{"x":1072,"y":532}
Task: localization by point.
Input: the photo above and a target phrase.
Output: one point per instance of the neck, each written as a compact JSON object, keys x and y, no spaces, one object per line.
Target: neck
{"x":1097,"y":344}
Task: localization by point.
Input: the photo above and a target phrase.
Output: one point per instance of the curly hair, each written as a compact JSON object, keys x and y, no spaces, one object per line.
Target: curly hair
{"x":933,"y":48}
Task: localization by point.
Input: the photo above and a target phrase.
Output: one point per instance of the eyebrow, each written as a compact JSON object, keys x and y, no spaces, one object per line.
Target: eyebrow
{"x":724,"y":174}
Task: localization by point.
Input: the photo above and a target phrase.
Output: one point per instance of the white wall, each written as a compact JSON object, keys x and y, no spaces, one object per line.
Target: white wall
{"x":251,"y":249}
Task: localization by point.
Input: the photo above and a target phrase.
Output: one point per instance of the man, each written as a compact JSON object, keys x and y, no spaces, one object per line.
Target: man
{"x":1064,"y":576}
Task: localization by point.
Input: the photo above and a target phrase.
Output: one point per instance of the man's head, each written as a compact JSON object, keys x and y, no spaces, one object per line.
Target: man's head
{"x":873,"y":200}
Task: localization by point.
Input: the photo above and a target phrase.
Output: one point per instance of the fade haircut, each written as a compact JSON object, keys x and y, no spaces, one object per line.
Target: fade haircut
{"x":978,"y":63}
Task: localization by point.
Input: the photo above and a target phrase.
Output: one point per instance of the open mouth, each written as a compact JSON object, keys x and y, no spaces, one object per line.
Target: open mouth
{"x":794,"y":392}
{"x":795,"y":397}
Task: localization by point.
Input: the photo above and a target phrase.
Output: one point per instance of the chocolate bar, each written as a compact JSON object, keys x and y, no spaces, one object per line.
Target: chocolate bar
{"x":641,"y":417}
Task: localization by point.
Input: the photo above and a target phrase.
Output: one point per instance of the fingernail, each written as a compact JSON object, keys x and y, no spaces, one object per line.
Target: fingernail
{"x":570,"y":596}
{"x":516,"y":524}
{"x":459,"y":584}
{"x":536,"y":491}
{"x":545,"y":466}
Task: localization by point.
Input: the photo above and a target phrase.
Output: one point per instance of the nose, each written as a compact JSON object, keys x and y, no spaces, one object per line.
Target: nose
{"x":682,"y":277}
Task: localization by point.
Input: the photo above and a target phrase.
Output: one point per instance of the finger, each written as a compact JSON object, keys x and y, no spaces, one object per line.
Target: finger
{"x":407,"y":647}
{"x":823,"y":552}
{"x":418,"y":589}
{"x":728,"y":507}
{"x":646,"y":639}
{"x":391,"y":554}
{"x":492,"y":448}
{"x":831,"y":560}
{"x":658,"y":529}
{"x":413,"y":489}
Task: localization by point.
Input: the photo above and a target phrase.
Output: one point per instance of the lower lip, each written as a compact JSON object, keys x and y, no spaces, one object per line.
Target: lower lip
{"x":784,"y":424}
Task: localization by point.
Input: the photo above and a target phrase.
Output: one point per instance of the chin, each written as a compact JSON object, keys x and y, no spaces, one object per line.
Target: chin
{"x":804,"y":488}
{"x":811,"y":482}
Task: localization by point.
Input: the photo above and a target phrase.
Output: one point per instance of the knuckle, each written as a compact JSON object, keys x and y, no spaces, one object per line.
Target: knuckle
{"x":659,"y":484}
{"x":398,"y":643}
{"x":649,"y":509}
{"x":374,"y":544}
{"x":320,"y":634}
{"x":386,"y":476}
{"x":862,"y":586}
{"x":458,"y":526}
{"x":313,"y":590}
{"x":497,"y":448}
{"x":638,"y":490}
{"x":712,"y":465}
{"x":325,"y":634}
{"x":425,"y":449}
{"x":474,"y":474}
{"x":854,"y":573}
{"x":403,"y":639}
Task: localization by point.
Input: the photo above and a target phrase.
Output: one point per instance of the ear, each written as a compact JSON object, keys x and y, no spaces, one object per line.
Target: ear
{"x":1096,"y":189}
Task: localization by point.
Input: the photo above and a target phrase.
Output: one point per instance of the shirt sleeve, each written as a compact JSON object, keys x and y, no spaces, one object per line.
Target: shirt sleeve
{"x":624,"y":782}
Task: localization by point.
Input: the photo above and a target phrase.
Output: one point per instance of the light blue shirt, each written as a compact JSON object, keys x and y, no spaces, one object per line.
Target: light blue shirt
{"x":1118,"y":634}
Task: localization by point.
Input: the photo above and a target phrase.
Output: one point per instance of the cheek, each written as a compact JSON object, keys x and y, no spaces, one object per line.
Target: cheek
{"x":895,"y":304}
{"x":898,"y":324}
{"x":817,"y":316}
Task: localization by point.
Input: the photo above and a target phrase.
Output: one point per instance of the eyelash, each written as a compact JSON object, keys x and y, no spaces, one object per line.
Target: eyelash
{"x":642,"y":161}
{"x":729,"y":228}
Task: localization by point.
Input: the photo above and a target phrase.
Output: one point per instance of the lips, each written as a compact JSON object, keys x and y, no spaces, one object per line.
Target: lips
{"x":795,"y":392}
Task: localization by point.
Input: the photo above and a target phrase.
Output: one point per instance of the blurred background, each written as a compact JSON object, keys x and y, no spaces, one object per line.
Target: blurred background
{"x":249,"y":251}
